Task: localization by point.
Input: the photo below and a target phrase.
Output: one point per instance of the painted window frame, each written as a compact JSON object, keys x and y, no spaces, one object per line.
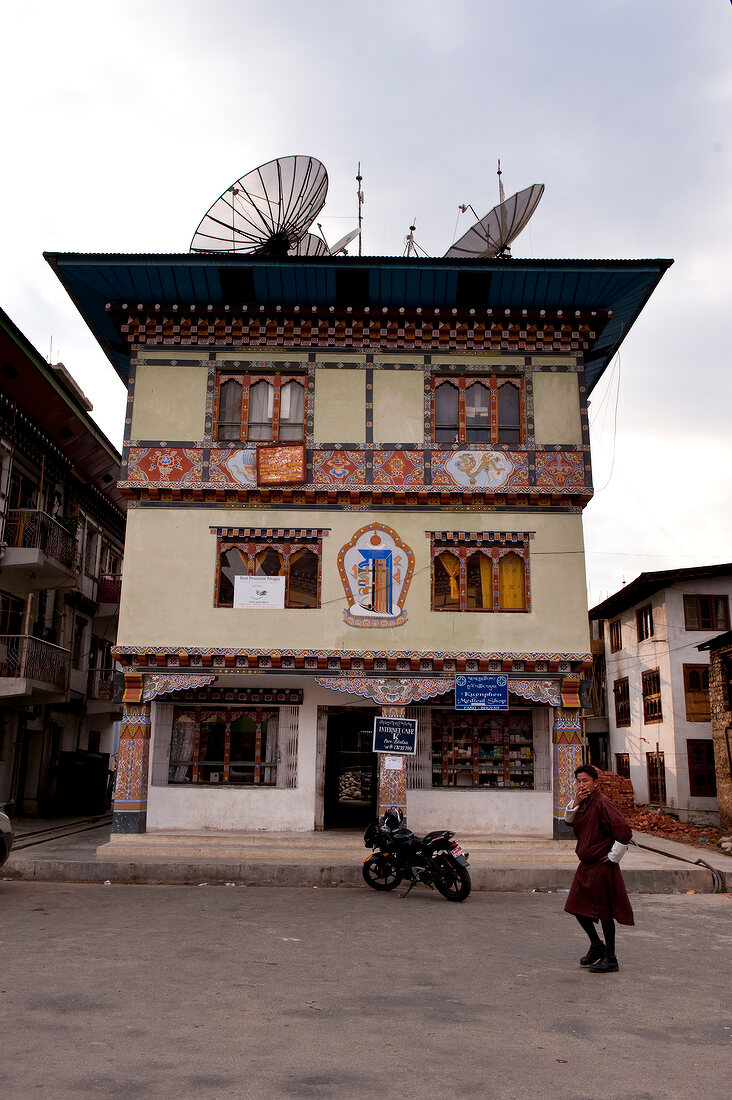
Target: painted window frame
{"x":246,"y":381}
{"x":493,"y":383}
{"x":702,"y":774}
{"x":464,"y":548}
{"x":696,"y":693}
{"x":714,"y":620}
{"x":254,"y":545}
{"x":651,"y":690}
{"x":508,"y":753}
{"x":621,"y":695}
{"x":264,"y":771}
{"x":644,"y":622}
{"x":622,"y":764}
{"x":615,"y":634}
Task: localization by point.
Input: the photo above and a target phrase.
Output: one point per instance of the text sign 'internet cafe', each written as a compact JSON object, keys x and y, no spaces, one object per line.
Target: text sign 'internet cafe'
{"x":395,"y":735}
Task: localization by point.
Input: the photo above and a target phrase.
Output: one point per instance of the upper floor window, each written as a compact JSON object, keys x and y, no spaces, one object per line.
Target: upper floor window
{"x":260,"y":408}
{"x":696,"y":693}
{"x":474,"y":573}
{"x":651,"y":681}
{"x":472,"y":410}
{"x":621,"y":691}
{"x":295,"y":556}
{"x":706,"y":612}
{"x":616,"y":636}
{"x":644,"y":622}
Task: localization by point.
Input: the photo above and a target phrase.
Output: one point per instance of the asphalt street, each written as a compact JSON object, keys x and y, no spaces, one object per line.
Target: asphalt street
{"x":212,"y":991}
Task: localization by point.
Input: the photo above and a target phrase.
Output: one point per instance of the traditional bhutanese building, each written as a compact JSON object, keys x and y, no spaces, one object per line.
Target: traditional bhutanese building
{"x":350,"y":482}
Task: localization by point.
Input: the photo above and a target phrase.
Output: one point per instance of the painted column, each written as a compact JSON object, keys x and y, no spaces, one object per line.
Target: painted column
{"x":567,"y":755}
{"x":392,"y":783}
{"x":129,"y":809}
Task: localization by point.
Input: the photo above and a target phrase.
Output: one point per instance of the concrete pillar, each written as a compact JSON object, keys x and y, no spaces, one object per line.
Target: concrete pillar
{"x":129,"y":808}
{"x":392,"y":783}
{"x":567,"y":755}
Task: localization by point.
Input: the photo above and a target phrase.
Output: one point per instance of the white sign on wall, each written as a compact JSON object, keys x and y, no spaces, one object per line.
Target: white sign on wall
{"x":262,"y":592}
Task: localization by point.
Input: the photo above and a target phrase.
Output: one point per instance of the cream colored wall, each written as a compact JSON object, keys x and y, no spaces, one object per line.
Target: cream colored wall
{"x":340,"y":406}
{"x":170,"y":402}
{"x":398,"y":398}
{"x":557,"y":408}
{"x":170,"y":563}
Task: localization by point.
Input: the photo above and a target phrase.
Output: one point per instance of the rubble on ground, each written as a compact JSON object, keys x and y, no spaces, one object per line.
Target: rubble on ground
{"x":654,"y":822}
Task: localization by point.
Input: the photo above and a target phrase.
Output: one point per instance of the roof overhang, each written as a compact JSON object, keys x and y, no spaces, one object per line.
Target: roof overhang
{"x":647,"y":584}
{"x":618,"y":289}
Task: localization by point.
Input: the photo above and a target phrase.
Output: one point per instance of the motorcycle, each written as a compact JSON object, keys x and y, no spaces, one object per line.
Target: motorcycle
{"x":437,"y":860}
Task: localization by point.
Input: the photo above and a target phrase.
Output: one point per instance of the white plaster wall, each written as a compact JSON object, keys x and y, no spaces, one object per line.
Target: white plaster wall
{"x":514,"y":813}
{"x":669,"y":649}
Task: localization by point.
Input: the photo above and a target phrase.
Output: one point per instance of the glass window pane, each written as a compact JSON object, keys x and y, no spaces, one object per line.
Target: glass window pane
{"x":243,"y":749}
{"x":292,"y":397}
{"x":261,"y":400}
{"x":268,"y":563}
{"x":478,"y":413}
{"x":229,"y":423}
{"x":509,"y":413}
{"x":303,"y":586}
{"x":480,"y":582}
{"x":447,"y":582}
{"x":446,"y":413}
{"x":233,"y":564}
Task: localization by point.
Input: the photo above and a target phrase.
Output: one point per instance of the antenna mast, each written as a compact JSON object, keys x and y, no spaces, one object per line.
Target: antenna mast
{"x":359,"y":193}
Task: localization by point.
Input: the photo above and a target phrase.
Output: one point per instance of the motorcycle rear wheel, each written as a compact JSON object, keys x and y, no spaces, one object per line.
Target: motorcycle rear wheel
{"x":454,"y":883}
{"x":380,"y":873}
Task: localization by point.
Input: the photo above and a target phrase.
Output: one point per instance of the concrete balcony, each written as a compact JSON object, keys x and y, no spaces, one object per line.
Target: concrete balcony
{"x":109,"y":588}
{"x":39,"y":553}
{"x":100,"y":692}
{"x":32,"y":669}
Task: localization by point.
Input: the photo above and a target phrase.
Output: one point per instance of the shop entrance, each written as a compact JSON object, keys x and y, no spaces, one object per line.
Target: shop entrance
{"x":350,"y":769}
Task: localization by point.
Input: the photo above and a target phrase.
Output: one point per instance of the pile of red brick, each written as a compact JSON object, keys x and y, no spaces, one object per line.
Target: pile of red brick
{"x":648,"y":821}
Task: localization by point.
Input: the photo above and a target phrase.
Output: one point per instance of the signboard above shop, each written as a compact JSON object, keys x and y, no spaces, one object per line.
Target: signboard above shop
{"x":481,"y":692}
{"x":395,"y":735}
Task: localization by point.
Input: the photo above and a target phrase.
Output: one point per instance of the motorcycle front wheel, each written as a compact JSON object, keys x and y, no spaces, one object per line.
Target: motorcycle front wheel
{"x":380,"y":873}
{"x":454,"y":883}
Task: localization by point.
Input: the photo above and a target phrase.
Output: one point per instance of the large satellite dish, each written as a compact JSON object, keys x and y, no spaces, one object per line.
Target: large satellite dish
{"x":268,"y":211}
{"x":493,"y":234}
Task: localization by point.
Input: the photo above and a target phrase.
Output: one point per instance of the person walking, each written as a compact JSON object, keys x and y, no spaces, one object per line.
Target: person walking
{"x":598,"y":891}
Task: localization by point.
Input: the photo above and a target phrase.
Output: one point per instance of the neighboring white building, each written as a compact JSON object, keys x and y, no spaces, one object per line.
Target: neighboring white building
{"x":658,"y":685}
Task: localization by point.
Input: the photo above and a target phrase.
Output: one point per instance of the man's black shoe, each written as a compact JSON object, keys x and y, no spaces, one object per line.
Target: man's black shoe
{"x":596,"y":952}
{"x":605,"y":966}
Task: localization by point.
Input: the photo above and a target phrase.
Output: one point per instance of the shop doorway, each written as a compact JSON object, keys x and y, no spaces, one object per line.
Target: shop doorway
{"x":350,"y":769}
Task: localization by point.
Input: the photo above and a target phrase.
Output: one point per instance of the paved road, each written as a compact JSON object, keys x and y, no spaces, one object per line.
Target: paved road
{"x":157,"y":991}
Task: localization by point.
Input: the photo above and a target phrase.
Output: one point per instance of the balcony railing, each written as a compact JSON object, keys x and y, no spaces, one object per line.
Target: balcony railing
{"x":100,"y":684}
{"x":29,"y":529}
{"x":109,"y":588}
{"x":24,"y":656}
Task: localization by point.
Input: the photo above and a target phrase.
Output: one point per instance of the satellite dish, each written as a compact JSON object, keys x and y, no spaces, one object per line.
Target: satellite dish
{"x":309,"y":245}
{"x":267,"y":212}
{"x":343,"y":243}
{"x":492,"y":235}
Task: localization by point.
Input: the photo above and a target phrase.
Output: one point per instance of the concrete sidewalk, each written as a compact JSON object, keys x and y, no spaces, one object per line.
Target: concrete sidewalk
{"x":335,"y":859}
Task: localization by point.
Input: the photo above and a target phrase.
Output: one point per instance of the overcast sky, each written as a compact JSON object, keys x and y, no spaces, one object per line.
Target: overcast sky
{"x":123,"y":121}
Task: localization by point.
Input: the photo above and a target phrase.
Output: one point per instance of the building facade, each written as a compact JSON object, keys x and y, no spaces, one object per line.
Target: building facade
{"x":351,"y":482}
{"x":658,"y":711}
{"x":61,"y":545}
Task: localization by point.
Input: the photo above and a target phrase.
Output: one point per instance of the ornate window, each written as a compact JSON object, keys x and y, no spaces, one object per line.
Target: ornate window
{"x":482,"y":750}
{"x":644,"y":622}
{"x":293,"y":554}
{"x":260,"y":408}
{"x":696,"y":693}
{"x":621,"y":691}
{"x":622,"y":764}
{"x":616,"y":636}
{"x":478,"y":410}
{"x":224,"y":746}
{"x":651,"y":681}
{"x":476,"y":571}
{"x":702,"y":774}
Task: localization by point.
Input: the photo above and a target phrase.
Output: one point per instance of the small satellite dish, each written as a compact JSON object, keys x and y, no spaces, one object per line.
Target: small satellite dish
{"x":268,"y":211}
{"x":493,"y":234}
{"x":309,"y":245}
{"x":343,"y":243}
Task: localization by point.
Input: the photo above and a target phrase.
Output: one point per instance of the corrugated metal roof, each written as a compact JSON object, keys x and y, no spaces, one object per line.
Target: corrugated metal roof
{"x":620,"y":286}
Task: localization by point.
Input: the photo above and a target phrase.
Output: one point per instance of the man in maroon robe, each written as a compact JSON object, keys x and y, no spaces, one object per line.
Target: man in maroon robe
{"x":598,"y":891}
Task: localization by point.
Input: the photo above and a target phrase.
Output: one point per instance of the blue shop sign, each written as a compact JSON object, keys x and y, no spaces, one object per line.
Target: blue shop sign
{"x":395,"y":735}
{"x":481,"y":692}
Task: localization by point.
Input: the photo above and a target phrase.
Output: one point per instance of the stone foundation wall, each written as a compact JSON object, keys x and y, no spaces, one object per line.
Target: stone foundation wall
{"x":720,"y":699}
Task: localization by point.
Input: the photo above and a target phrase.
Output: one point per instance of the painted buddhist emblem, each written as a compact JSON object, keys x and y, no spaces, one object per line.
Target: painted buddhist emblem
{"x":376,"y":568}
{"x":242,"y":465}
